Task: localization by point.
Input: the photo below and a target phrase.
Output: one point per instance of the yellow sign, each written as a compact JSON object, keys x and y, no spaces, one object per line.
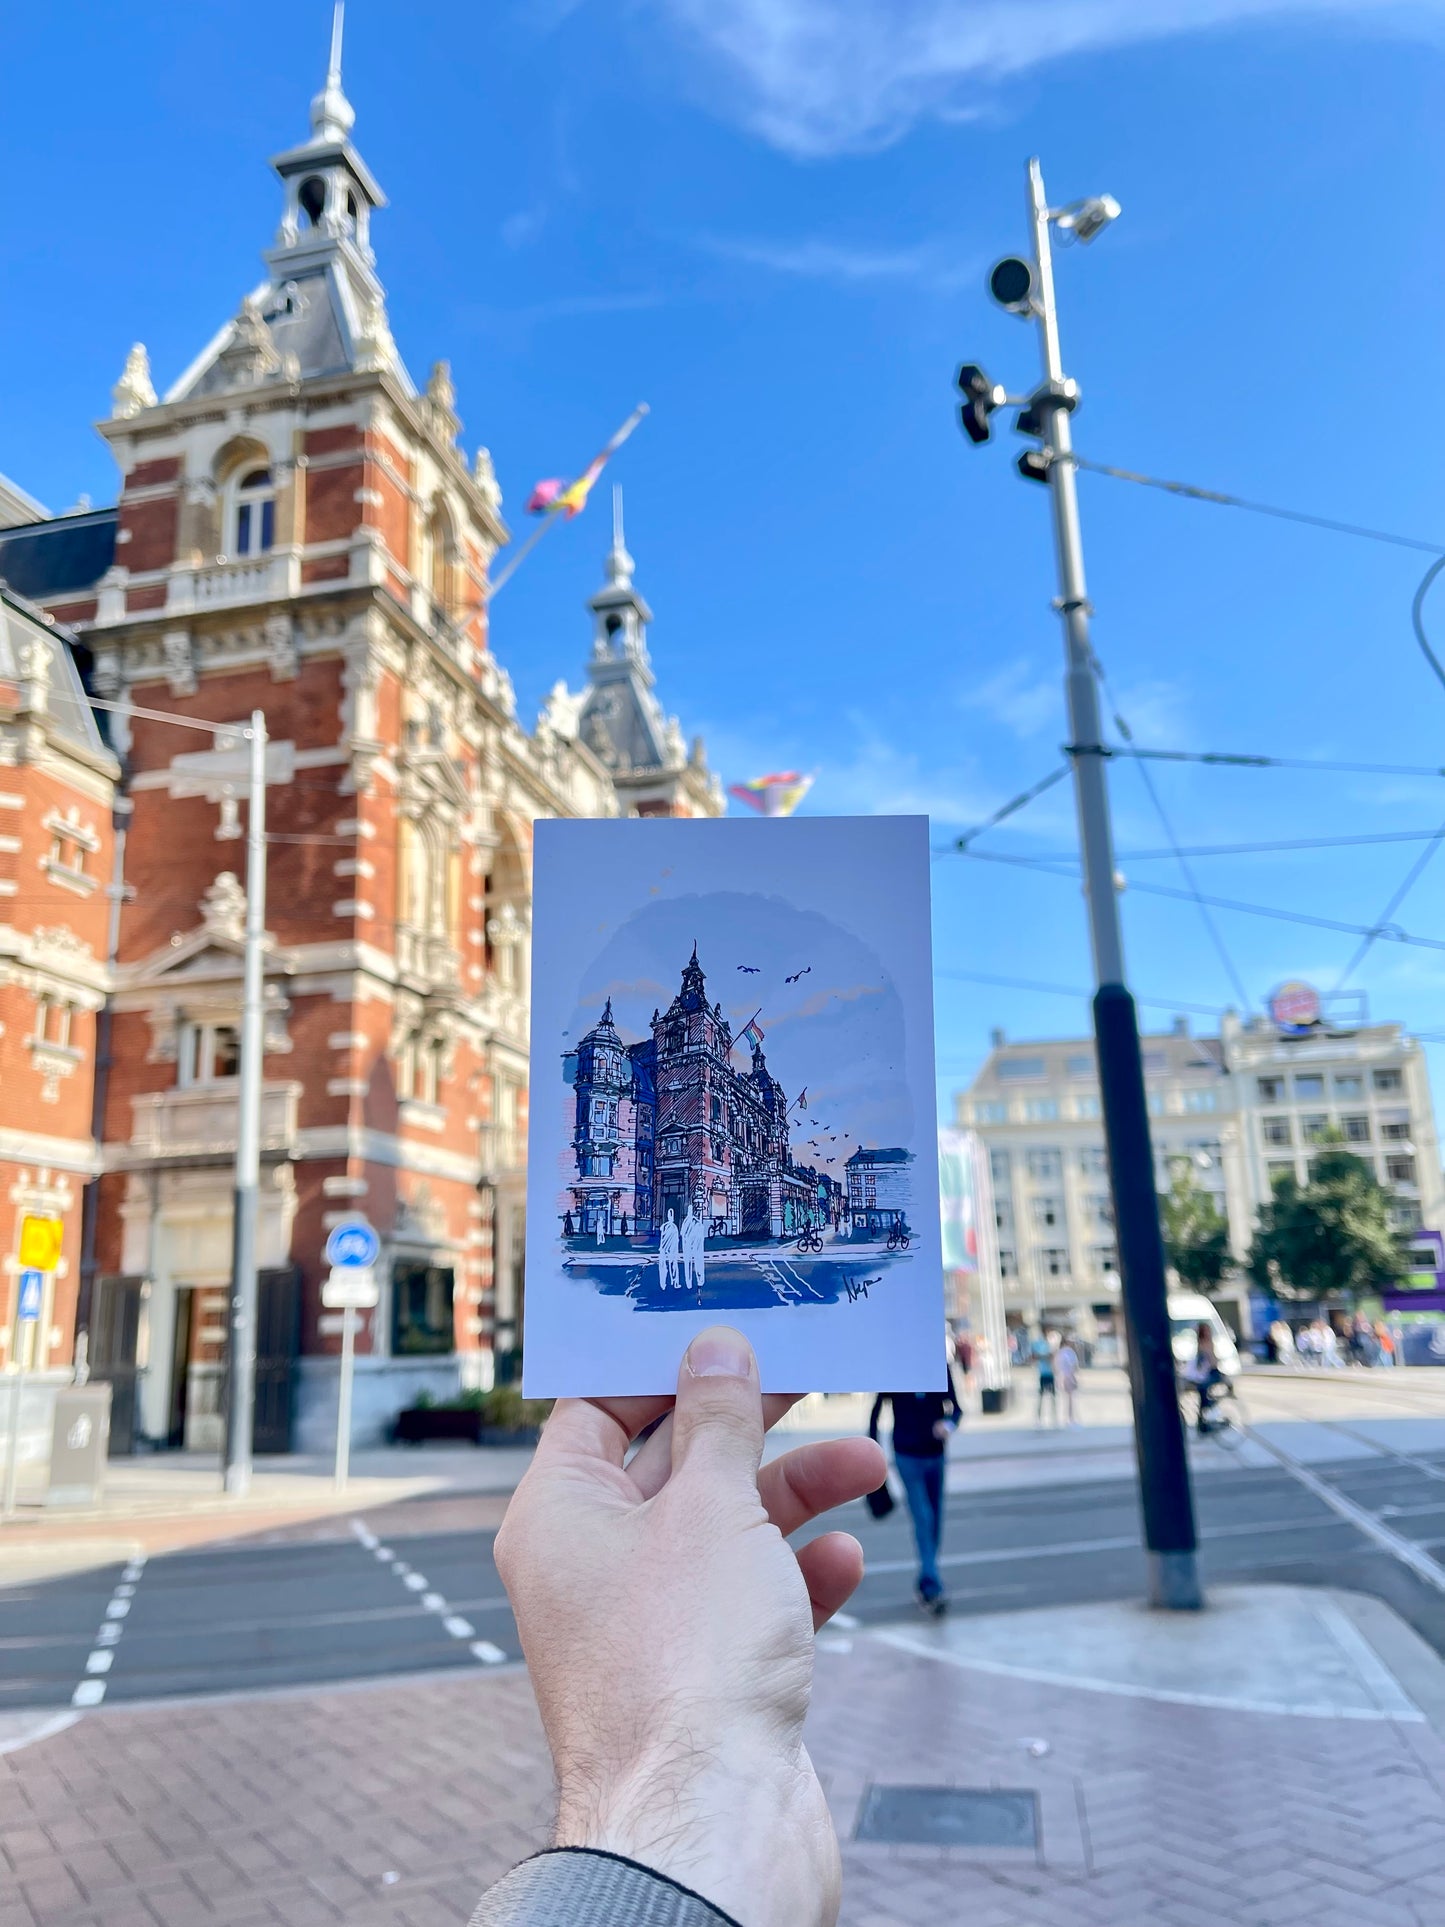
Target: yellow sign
{"x":40,"y":1240}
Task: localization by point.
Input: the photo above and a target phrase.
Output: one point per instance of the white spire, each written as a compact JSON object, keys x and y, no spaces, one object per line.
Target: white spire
{"x":619,"y":563}
{"x":332,"y":114}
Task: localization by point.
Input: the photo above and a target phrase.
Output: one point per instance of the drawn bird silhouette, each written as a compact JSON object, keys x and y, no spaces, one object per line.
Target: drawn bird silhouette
{"x":806,"y":971}
{"x":750,"y":970}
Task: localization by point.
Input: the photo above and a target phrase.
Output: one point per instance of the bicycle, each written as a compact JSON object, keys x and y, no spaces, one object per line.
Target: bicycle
{"x":811,"y":1239}
{"x":897,"y":1238}
{"x":1220,"y":1418}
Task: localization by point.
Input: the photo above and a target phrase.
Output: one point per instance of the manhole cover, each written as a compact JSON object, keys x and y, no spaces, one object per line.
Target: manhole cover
{"x":941,"y":1816}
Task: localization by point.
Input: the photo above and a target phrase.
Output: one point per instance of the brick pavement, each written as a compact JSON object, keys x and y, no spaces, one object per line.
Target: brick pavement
{"x":393,"y":1805}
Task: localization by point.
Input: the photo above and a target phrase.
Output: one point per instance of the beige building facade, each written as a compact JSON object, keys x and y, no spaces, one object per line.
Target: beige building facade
{"x":1240,"y":1108}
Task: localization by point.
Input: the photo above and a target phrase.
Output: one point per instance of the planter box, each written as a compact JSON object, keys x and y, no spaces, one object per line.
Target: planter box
{"x":419,"y":1423}
{"x":994,"y":1399}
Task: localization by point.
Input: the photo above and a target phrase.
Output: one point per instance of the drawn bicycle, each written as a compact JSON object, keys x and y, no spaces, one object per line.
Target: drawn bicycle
{"x":897,"y":1238}
{"x":810,"y":1239}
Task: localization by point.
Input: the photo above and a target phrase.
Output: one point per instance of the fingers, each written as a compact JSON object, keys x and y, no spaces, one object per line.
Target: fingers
{"x":588,"y":1429}
{"x":815,"y":1478}
{"x":650,"y":1465}
{"x":717,"y":1421}
{"x":831,"y":1567}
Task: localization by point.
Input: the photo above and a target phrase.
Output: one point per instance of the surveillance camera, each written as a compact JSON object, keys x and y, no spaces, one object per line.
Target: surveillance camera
{"x":1094,"y":215}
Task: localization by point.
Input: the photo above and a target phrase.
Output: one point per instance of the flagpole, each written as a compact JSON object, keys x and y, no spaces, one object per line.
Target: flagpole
{"x":520,"y":557}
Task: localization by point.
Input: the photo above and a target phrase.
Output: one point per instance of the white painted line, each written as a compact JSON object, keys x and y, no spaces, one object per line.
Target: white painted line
{"x":400,"y":1567}
{"x":833,"y":1643}
{"x":845,"y":1621}
{"x":107,"y":1635}
{"x":1405,"y":1550}
{"x":364,"y":1533}
{"x":134,"y":1569}
{"x":90,"y":1692}
{"x":458,"y":1627}
{"x":125,"y":1592}
{"x":100,"y":1661}
{"x":434,"y":1602}
{"x":384,"y":1553}
{"x":414,"y":1582}
{"x":487,"y":1653}
{"x":117,"y":1609}
{"x":45,"y":1728}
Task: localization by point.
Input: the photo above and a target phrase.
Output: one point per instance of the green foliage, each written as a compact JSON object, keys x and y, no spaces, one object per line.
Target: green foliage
{"x":1196,"y":1233}
{"x":1330,"y":1238}
{"x":503,"y":1406}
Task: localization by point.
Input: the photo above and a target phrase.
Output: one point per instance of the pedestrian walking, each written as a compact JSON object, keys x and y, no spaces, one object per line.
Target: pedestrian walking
{"x":922,"y":1422}
{"x":693,"y":1238}
{"x":669,"y":1247}
{"x":1281,"y":1340}
{"x":1043,"y":1349}
{"x":1066,"y":1371}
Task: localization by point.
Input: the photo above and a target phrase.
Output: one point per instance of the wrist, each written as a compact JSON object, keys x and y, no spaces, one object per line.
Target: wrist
{"x":754,"y":1840}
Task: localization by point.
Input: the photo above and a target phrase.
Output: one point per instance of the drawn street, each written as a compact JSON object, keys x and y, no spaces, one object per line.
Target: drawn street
{"x":738,"y":1276}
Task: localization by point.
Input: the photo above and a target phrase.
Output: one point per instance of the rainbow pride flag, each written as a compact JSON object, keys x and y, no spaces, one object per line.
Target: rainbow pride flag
{"x":556,"y":497}
{"x":752,"y":1035}
{"x":775,"y":795}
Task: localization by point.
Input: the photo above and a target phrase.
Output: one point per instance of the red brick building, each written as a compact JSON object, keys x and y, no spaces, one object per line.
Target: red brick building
{"x":299,"y":530}
{"x":57,"y":782}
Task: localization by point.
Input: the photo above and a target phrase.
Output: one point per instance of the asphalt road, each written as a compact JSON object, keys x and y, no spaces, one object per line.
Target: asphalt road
{"x":740,"y":1277}
{"x":411,"y":1587}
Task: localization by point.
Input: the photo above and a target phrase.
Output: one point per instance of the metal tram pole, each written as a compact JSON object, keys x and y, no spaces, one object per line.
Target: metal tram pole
{"x":241,"y":1350}
{"x":1168,"y":1507}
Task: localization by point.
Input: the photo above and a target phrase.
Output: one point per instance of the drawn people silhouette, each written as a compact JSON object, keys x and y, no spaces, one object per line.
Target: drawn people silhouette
{"x":667,"y":1254}
{"x":694,"y":1243}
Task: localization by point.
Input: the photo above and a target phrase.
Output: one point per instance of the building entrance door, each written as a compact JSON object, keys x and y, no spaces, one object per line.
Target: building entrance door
{"x":114,"y":1337}
{"x":756,"y":1218}
{"x":180,"y":1367}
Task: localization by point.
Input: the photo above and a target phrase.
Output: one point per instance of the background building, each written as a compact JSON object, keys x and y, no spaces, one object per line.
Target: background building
{"x":1240,"y":1108}
{"x":298,"y":530}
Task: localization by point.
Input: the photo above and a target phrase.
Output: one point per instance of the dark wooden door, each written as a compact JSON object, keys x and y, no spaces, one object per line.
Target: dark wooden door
{"x":180,"y":1366}
{"x":278,"y":1340}
{"x":114,"y":1331}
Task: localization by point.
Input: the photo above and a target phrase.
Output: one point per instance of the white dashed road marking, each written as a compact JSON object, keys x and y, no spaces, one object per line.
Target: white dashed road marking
{"x":433,"y":1602}
{"x":90,"y":1691}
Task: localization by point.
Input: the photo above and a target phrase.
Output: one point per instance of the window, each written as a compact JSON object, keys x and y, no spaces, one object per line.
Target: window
{"x":67,"y":852}
{"x":1404,"y":1215}
{"x":1047,"y":1213}
{"x":209,"y":1053}
{"x":1201,"y":1100}
{"x":998,"y":1164}
{"x":1056,"y":1262}
{"x":1313,"y":1128}
{"x":1155,"y":1062}
{"x":1007,"y":1265}
{"x":312,"y":196}
{"x":1100,"y":1207}
{"x":1356,"y":1129}
{"x":1309,"y":1084}
{"x":1104,"y":1259}
{"x":1276,"y":1130}
{"x":1093,"y":1160}
{"x":1400,"y":1169}
{"x":255,"y":513}
{"x":1351,"y":1085}
{"x":1019,"y":1068}
{"x":990,"y":1110}
{"x":1396,"y":1129}
{"x":1044,"y":1166}
{"x":421,"y":1309}
{"x":1003,"y":1217}
{"x":1041,"y":1110}
{"x":1388,"y":1080}
{"x":1278,"y":1168}
{"x":1081,"y":1066}
{"x":1271,"y":1090}
{"x":52,"y":1021}
{"x":1156,"y":1103}
{"x":1086,"y":1107}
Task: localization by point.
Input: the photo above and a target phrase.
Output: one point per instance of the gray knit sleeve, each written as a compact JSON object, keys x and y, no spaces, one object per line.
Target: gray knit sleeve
{"x":576,"y":1887}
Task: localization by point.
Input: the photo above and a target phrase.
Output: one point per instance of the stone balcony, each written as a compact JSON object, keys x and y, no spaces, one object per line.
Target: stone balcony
{"x":201,"y":1123}
{"x":428,"y":959}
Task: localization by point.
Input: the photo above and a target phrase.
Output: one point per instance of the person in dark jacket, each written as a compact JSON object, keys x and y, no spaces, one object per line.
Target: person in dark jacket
{"x":922,"y":1422}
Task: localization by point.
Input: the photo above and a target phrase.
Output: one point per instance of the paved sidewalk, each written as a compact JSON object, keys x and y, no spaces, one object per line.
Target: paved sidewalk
{"x":393,"y":1805}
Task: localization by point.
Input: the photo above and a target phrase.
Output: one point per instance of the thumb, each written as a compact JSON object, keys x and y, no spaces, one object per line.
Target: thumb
{"x":718,"y":1417}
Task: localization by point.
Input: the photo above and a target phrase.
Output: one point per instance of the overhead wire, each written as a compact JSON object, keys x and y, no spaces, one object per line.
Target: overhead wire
{"x":1222,"y":500}
{"x":1382,"y":925}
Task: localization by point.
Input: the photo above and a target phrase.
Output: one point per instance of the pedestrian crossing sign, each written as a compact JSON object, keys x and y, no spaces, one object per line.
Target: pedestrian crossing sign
{"x":32,"y":1290}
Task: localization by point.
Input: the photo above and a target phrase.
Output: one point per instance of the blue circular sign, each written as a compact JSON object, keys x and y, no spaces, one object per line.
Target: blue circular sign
{"x":352,"y":1246}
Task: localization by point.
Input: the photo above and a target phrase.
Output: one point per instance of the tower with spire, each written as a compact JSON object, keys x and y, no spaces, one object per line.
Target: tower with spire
{"x":620,"y":720}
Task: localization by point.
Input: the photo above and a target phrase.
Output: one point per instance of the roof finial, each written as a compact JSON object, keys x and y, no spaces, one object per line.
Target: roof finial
{"x":332,"y":114}
{"x":619,"y":563}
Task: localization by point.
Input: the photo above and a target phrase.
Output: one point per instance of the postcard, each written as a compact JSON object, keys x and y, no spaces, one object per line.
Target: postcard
{"x":732,"y":1104}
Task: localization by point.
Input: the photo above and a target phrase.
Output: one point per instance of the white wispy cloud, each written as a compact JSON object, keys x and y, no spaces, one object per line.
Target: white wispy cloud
{"x":1019,"y":696}
{"x":818,"y":77}
{"x":813,"y":258}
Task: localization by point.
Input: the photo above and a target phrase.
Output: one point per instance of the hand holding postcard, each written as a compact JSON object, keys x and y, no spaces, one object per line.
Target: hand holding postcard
{"x":732,"y":1104}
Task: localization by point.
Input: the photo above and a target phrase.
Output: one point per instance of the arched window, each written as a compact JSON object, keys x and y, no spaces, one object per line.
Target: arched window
{"x":255,"y":513}
{"x":441,"y":544}
{"x":312,"y":197}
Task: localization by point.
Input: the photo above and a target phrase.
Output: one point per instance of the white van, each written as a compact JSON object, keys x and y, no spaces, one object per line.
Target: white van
{"x":1188,"y":1310}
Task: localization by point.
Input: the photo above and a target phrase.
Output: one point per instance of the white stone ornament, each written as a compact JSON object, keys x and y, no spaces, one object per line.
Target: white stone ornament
{"x":134,"y":391}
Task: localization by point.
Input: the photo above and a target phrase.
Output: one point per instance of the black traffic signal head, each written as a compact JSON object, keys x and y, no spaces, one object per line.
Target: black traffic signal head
{"x":980,"y":397}
{"x":1033,"y":465}
{"x":1011,"y":283}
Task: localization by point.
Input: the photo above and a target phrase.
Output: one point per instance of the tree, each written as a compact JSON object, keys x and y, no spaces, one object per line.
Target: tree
{"x":1330,"y":1238}
{"x":1196,"y":1232}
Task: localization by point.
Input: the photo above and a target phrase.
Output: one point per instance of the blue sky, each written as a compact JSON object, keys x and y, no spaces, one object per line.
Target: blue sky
{"x":770,"y":219}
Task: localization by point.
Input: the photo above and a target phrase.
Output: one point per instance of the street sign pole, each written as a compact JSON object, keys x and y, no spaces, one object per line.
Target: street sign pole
{"x":349,"y":1320}
{"x":32,"y":1295}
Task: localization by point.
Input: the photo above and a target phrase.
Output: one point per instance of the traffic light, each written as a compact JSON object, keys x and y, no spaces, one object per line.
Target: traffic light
{"x":980,"y":397}
{"x":1033,"y":464}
